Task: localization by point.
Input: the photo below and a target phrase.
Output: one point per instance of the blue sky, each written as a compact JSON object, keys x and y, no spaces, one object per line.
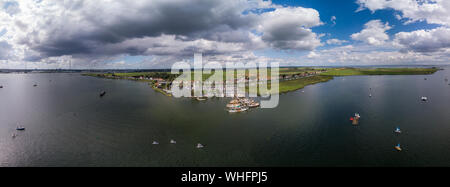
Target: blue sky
{"x":158,"y":33}
{"x":348,"y":20}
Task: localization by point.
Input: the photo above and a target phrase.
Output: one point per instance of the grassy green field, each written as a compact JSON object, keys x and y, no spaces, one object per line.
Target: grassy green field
{"x":292,"y":85}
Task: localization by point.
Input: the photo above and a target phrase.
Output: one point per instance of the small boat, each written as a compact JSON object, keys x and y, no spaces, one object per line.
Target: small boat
{"x":173,"y":141}
{"x":355,"y":120}
{"x":1,"y":86}
{"x":35,"y":84}
{"x":398,"y":148}
{"x":155,"y":143}
{"x":102,"y":93}
{"x":233,"y":105}
{"x":424,"y":78}
{"x":199,"y":146}
{"x":370,"y":95}
{"x":20,"y":128}
{"x":201,"y":98}
{"x":424,"y":98}
{"x":235,"y":101}
{"x":253,"y":105}
{"x":237,"y":110}
{"x":397,"y":130}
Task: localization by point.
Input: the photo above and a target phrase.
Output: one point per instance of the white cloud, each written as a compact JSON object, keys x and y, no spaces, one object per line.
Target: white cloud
{"x":288,"y":28}
{"x":333,"y":20}
{"x":313,"y":54}
{"x":335,"y":41}
{"x":374,"y":33}
{"x":424,"y":40}
{"x":374,"y":55}
{"x":432,"y":11}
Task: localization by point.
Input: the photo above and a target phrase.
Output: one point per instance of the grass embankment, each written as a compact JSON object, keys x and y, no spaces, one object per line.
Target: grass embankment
{"x":379,"y":71}
{"x":292,"y":85}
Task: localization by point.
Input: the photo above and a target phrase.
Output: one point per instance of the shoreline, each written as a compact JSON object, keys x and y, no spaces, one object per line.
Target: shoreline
{"x":291,"y":79}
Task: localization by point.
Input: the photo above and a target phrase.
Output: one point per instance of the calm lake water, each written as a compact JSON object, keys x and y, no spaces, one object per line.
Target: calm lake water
{"x":68,"y":124}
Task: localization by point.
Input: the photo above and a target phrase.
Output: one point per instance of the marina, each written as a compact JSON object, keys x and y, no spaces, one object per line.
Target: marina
{"x":237,"y":105}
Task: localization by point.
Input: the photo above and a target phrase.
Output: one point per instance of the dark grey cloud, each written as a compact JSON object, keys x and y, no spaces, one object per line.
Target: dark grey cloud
{"x":92,"y":31}
{"x":84,"y":27}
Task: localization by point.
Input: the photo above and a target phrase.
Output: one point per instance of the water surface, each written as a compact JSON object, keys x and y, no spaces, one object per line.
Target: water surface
{"x":68,"y":124}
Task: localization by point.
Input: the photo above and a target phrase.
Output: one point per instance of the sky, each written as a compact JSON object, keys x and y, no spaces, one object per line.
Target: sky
{"x":146,"y":34}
